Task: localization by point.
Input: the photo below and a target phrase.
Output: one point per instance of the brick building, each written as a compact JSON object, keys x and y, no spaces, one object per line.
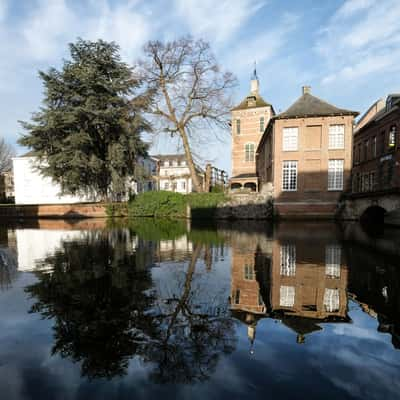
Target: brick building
{"x":376,"y":148}
{"x":249,"y":120}
{"x":305,"y":156}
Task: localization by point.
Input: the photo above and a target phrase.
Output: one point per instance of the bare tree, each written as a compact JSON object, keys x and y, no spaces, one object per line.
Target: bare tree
{"x":191,"y":96}
{"x":6,"y":155}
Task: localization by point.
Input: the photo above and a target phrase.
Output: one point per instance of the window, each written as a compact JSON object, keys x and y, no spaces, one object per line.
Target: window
{"x":289,"y":176}
{"x":333,"y":255}
{"x":372,"y":180}
{"x":335,"y":175}
{"x":262,"y":121}
{"x":290,"y":139}
{"x":183,"y":185}
{"x":166,"y":163}
{"x":165,"y":172}
{"x":248,"y":272}
{"x":238,"y":126}
{"x":336,"y":137}
{"x":374,"y":147}
{"x":288,"y":260}
{"x":392,"y":136}
{"x":331,"y":300}
{"x":382,"y":143}
{"x":166,"y":185}
{"x":237,"y":296}
{"x":249,"y":152}
{"x":366,"y":146}
{"x":286,"y":296}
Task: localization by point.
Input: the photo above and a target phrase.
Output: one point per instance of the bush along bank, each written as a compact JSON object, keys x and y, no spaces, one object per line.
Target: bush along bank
{"x":175,"y":205}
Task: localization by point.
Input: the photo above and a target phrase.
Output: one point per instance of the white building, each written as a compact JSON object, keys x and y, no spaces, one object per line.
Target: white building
{"x":174,"y":173}
{"x":31,"y":187}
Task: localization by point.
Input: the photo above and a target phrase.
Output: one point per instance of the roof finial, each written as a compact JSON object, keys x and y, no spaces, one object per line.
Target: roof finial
{"x":254,"y":76}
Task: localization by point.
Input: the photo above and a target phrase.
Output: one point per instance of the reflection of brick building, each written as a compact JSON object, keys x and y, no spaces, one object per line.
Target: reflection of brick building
{"x":308,"y":283}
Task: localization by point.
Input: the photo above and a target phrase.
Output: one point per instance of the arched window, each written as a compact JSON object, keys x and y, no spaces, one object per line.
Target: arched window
{"x":249,"y":152}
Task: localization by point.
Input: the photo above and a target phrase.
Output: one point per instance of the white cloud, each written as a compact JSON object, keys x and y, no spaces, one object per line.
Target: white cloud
{"x":350,"y":7}
{"x":49,"y":25}
{"x":217,"y":20}
{"x":362,"y":38}
{"x":262,"y":47}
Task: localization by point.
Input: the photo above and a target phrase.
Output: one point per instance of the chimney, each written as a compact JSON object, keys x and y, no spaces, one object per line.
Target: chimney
{"x":306,"y":89}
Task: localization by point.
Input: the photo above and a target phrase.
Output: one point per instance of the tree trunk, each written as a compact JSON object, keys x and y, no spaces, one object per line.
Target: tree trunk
{"x":195,"y":178}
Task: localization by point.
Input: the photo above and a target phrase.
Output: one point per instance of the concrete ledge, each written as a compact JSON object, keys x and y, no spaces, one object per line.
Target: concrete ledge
{"x":65,"y":211}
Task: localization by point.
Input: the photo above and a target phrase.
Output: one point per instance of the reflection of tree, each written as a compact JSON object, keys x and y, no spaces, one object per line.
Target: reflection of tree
{"x":189,"y":340}
{"x":8,"y":268}
{"x":96,"y":296}
{"x":104,"y":313}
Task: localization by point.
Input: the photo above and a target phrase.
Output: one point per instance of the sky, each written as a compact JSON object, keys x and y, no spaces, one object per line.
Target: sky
{"x":348,"y":51}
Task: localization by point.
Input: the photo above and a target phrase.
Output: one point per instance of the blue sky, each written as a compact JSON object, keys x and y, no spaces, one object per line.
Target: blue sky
{"x":347,"y":50}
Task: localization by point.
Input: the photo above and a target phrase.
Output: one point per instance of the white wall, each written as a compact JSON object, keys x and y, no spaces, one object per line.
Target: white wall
{"x":34,"y":245}
{"x":33,"y":188}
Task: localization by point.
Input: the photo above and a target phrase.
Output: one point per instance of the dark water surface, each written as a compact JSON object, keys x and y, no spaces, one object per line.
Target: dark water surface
{"x":154,"y":309}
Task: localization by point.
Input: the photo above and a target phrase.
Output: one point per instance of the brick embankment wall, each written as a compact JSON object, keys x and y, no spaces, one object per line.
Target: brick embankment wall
{"x":85,"y":210}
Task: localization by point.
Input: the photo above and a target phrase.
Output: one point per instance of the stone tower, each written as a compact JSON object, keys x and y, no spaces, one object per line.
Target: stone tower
{"x":249,"y":120}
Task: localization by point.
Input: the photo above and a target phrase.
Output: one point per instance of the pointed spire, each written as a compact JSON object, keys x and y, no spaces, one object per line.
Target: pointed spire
{"x":254,"y":76}
{"x":254,"y":84}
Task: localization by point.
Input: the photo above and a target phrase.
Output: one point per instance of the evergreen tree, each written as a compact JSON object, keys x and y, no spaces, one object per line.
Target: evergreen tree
{"x":87,"y":133}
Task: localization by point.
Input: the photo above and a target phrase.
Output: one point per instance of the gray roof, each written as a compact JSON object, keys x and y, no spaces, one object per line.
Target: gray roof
{"x":259,"y":102}
{"x":310,"y":106}
{"x":165,"y":157}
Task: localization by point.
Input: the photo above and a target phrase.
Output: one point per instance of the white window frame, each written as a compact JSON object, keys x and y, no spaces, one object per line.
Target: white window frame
{"x":288,"y":260}
{"x":335,"y":174}
{"x":249,"y":155}
{"x":290,"y":167}
{"x":331,"y":300}
{"x":287,"y":295}
{"x":262,"y":124}
{"x":248,"y":271}
{"x":290,"y":138}
{"x":336,"y":137}
{"x":333,"y":257}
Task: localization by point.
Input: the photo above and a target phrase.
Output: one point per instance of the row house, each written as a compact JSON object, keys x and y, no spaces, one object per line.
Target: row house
{"x":174,"y":173}
{"x":376,"y":148}
{"x":305,"y":157}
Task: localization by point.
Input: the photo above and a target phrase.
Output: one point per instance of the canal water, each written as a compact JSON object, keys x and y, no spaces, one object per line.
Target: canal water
{"x":153,"y":309}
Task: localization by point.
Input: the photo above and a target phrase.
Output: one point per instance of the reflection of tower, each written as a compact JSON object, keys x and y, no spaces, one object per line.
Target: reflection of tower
{"x":249,"y":276}
{"x":308,"y":283}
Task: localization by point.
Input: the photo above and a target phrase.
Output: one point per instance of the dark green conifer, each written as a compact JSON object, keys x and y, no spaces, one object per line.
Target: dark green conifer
{"x":88,"y":131}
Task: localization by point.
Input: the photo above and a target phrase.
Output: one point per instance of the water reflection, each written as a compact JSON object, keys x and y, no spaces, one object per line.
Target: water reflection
{"x":176,"y":298}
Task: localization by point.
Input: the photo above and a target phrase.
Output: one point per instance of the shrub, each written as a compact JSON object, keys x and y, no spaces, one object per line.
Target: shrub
{"x":158,"y":204}
{"x":173,"y":205}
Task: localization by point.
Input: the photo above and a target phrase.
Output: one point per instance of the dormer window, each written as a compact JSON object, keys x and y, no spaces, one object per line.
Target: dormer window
{"x":251,"y":101}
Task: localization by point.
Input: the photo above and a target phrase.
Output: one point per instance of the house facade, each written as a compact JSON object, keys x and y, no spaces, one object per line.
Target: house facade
{"x":174,"y":173}
{"x":305,"y":156}
{"x":248,"y":123}
{"x":376,"y":148}
{"x":7,"y":186}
